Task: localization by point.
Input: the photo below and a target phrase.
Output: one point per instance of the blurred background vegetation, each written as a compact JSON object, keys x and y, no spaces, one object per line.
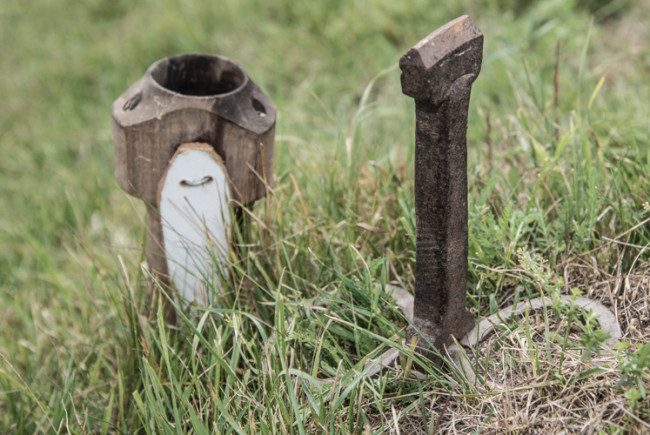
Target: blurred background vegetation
{"x":555,"y":169}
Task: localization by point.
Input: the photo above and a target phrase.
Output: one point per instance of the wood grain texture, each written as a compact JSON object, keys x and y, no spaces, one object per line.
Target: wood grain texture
{"x":192,"y":98}
{"x":152,"y":119}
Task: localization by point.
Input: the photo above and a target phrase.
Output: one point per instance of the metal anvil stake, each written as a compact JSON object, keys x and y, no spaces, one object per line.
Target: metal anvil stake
{"x":438,"y":73}
{"x":203,"y":102}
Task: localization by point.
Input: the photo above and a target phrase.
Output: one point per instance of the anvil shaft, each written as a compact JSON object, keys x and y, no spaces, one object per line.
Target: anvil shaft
{"x":438,"y":73}
{"x":441,"y":218}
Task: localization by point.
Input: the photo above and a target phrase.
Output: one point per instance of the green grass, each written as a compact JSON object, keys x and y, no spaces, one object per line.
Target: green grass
{"x":562,"y":184}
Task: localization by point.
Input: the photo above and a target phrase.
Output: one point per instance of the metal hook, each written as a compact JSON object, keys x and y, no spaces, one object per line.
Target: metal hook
{"x":195,"y":183}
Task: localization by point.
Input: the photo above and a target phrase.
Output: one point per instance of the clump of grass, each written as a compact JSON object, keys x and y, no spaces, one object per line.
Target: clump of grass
{"x":559,"y":169}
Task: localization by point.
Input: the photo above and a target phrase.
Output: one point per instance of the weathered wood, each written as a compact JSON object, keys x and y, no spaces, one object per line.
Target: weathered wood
{"x":193,"y":98}
{"x":438,"y":73}
{"x":185,"y":99}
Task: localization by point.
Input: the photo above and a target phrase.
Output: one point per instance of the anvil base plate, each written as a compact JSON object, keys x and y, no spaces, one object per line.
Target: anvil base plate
{"x":458,"y":356}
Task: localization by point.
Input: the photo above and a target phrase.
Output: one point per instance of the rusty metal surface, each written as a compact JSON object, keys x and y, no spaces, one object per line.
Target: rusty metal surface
{"x":438,"y":73}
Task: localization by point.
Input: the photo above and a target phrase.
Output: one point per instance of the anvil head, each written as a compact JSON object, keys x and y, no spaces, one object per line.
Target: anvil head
{"x":434,"y":63}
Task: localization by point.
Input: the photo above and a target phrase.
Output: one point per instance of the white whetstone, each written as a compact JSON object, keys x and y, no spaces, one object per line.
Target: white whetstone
{"x":194,"y":198}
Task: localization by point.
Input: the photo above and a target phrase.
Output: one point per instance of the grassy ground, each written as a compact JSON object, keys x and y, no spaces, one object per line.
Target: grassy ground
{"x":559,"y":180}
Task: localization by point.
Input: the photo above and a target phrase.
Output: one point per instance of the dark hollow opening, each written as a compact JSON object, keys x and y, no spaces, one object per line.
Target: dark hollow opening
{"x":258,"y":106}
{"x":198,"y":75}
